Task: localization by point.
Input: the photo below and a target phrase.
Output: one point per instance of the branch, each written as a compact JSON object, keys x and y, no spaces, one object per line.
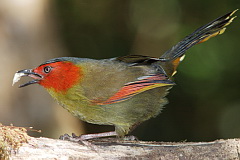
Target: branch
{"x":16,"y":144}
{"x":41,"y":148}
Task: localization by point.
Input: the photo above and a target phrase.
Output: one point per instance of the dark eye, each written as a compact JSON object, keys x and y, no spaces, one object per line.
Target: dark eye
{"x":47,"y":69}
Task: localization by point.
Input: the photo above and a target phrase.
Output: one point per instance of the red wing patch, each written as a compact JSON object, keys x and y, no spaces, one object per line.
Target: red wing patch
{"x":133,"y":88}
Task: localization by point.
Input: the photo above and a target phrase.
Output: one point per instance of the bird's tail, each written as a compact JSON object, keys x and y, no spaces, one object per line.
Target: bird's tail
{"x":174,"y":56}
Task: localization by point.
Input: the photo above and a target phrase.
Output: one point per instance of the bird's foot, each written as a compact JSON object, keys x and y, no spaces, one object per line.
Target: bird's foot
{"x":130,"y":138}
{"x":78,"y":139}
{"x":72,"y":138}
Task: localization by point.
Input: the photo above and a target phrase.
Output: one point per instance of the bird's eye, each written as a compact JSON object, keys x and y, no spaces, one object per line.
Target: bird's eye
{"x":47,"y":69}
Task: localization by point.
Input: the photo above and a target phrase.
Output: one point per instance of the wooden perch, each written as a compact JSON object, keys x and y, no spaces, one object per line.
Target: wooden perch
{"x":45,"y":148}
{"x":16,"y":144}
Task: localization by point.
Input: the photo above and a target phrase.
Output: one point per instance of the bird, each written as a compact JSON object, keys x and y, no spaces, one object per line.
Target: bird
{"x":123,"y":91}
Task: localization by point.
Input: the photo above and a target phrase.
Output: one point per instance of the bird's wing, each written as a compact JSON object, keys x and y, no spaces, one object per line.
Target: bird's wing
{"x":133,"y":88}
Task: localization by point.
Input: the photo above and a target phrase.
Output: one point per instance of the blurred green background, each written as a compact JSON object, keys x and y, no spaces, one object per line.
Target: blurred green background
{"x":205,"y":103}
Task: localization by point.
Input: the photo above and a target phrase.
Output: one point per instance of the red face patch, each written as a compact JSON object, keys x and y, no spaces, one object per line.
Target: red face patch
{"x":60,"y":76}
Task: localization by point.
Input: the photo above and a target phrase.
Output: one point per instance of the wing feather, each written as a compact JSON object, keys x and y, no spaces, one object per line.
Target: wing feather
{"x":131,"y":89}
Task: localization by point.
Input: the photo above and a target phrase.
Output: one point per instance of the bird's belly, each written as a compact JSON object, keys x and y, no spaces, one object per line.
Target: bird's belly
{"x":139,"y":108}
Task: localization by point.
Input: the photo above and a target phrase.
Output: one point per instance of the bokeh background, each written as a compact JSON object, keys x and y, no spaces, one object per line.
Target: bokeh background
{"x":205,"y":103}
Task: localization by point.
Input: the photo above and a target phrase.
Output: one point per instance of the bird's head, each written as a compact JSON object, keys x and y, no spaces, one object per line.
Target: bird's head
{"x":59,"y":74}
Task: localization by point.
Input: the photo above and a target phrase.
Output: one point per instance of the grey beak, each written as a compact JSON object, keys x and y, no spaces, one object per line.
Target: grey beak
{"x":27,"y":72}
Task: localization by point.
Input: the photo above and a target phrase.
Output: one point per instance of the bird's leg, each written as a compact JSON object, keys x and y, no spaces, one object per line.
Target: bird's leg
{"x":98,"y":135}
{"x":85,"y":137}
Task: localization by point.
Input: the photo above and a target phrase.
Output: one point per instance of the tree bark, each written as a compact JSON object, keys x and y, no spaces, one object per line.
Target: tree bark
{"x":45,"y":148}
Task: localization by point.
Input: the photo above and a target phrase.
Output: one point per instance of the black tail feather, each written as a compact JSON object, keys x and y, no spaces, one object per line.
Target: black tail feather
{"x":200,"y":35}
